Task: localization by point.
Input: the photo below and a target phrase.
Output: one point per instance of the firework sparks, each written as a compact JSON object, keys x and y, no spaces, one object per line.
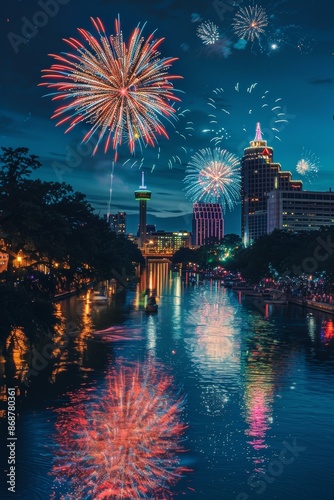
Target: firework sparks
{"x":264,"y":31}
{"x":208,"y":32}
{"x":308,"y":165}
{"x":122,"y":90}
{"x":185,"y":129}
{"x":249,"y":22}
{"x":246,"y":102}
{"x":306,"y":44}
{"x":121,"y":441}
{"x":213,"y":176}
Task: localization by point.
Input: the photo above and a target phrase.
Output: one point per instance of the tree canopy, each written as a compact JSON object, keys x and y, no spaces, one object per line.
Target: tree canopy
{"x":212,"y":255}
{"x":283,"y":254}
{"x":50,"y":225}
{"x":53,"y":225}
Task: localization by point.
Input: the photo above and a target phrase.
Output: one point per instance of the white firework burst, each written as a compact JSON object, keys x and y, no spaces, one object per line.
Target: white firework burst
{"x":308,"y":165}
{"x":208,"y":32}
{"x":213,"y":176}
{"x":249,"y":23}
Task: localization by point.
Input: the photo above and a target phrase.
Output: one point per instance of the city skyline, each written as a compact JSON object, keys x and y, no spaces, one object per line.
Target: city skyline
{"x":299,"y":79}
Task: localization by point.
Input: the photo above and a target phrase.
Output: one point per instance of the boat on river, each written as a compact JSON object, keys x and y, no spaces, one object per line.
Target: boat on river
{"x":276,"y":297}
{"x":99,"y":296}
{"x":268,"y":296}
{"x":151,"y":306}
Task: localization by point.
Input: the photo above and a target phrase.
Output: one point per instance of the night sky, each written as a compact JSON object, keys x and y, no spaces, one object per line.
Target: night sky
{"x":297,"y":75}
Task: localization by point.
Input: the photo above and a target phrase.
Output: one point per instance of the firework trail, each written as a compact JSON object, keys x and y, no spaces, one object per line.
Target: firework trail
{"x":208,"y":32}
{"x":213,"y":176}
{"x":122,"y":90}
{"x":121,"y":441}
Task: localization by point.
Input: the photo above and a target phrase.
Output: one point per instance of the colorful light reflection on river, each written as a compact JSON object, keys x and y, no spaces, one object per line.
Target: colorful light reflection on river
{"x":121,"y":440}
{"x":254,"y":378}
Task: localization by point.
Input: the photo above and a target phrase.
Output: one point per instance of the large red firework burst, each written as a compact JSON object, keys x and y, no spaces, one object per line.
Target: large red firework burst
{"x":121,"y":441}
{"x":122,"y":90}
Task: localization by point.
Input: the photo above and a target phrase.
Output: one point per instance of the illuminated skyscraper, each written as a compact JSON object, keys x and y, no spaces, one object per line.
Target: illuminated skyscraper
{"x":118,"y":222}
{"x":208,"y":223}
{"x":259,"y":176}
{"x":143,"y":195}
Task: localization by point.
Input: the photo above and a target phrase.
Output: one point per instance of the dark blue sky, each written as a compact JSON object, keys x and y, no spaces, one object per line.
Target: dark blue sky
{"x":299,"y":80}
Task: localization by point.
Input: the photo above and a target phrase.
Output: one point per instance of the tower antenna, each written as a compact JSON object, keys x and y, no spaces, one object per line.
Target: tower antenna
{"x":142,"y":181}
{"x":258,"y":135}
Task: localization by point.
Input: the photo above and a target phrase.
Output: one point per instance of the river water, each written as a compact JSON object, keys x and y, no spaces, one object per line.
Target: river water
{"x":257,"y":385}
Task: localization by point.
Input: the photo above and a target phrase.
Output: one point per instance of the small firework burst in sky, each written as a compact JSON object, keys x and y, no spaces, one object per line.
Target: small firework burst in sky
{"x":123,"y":90}
{"x":213,"y":176}
{"x":306,"y":44}
{"x":123,"y":440}
{"x":308,"y":165}
{"x":208,"y":32}
{"x":249,"y":22}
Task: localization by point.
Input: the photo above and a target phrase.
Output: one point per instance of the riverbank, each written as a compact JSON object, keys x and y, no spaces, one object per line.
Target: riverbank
{"x":310,"y":304}
{"x":66,"y":295}
{"x":319,"y":306}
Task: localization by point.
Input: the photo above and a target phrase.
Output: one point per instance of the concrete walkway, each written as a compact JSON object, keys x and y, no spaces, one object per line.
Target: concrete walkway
{"x":320,"y":306}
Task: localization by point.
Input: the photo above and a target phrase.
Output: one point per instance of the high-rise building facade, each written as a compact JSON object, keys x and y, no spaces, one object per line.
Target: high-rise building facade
{"x":208,"y":223}
{"x":300,"y":211}
{"x":167,"y":242}
{"x":259,"y":176}
{"x":150,"y":228}
{"x":143,"y":195}
{"x":118,"y":222}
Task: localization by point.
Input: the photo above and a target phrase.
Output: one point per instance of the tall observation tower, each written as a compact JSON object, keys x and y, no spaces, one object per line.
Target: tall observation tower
{"x":142,"y":195}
